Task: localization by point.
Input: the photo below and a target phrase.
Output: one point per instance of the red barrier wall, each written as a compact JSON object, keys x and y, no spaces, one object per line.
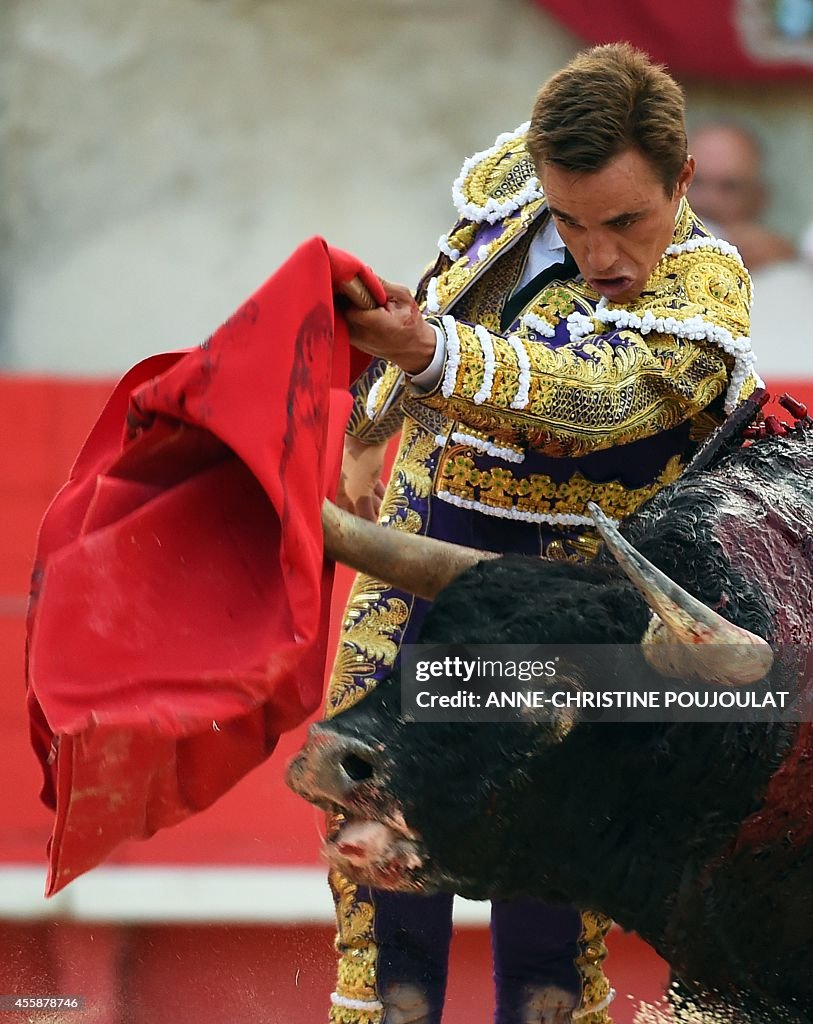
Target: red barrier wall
{"x":134,"y":972}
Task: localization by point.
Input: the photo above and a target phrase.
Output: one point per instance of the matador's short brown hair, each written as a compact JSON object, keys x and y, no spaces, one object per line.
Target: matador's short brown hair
{"x":609,"y":99}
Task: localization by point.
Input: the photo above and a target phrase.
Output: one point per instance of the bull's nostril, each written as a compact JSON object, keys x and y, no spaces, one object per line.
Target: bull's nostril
{"x":356,"y":768}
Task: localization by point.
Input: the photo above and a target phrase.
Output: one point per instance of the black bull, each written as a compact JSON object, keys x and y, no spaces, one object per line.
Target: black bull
{"x":697,"y":836}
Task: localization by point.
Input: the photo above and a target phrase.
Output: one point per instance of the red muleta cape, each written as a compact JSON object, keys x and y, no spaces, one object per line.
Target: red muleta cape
{"x":179,"y":605}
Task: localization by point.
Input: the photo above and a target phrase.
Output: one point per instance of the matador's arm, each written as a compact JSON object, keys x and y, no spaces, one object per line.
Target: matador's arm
{"x":623,"y":374}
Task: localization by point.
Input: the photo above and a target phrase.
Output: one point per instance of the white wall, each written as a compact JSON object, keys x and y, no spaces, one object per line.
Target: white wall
{"x":164,"y":156}
{"x":161,"y":157}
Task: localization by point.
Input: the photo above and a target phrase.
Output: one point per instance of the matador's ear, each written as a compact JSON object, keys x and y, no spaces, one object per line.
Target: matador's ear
{"x":685,"y":178}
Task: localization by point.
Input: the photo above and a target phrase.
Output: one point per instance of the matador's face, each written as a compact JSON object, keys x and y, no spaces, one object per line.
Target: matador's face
{"x":616,"y":221}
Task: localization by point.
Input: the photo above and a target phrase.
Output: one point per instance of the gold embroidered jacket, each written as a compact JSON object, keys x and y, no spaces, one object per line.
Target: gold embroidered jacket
{"x":520,"y":419}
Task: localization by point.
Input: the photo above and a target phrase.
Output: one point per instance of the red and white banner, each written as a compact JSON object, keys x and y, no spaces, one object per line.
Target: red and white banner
{"x":728,"y":40}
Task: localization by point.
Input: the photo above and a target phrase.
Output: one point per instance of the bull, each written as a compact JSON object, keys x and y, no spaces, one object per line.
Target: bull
{"x":697,"y":836}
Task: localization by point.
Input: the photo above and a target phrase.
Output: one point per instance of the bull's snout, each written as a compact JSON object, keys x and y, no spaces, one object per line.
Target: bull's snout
{"x":332,"y":768}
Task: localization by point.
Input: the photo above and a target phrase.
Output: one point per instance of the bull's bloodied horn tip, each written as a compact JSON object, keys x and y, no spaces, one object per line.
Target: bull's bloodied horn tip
{"x":711,"y":648}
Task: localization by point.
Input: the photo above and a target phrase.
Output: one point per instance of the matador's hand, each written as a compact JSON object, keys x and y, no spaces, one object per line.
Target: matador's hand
{"x":396,"y":331}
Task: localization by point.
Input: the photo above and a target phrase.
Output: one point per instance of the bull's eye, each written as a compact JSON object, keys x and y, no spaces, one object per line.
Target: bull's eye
{"x":356,"y":768}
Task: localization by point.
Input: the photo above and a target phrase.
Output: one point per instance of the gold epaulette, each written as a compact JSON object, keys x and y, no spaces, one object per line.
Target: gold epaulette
{"x":497,"y":181}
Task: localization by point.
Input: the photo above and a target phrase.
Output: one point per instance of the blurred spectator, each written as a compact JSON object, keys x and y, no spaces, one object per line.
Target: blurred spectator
{"x":729,"y":192}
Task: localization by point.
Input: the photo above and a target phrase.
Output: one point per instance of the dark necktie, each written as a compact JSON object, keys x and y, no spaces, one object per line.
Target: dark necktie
{"x":519,"y":300}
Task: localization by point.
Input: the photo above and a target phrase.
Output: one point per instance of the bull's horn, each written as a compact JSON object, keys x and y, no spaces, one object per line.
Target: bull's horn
{"x":690,"y":639}
{"x":418,"y":565}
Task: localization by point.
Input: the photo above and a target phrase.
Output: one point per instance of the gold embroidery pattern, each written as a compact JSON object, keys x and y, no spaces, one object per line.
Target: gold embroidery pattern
{"x":486,"y":439}
{"x":588,"y":395}
{"x":376,"y":616}
{"x":685,"y":223}
{"x":383,"y":427}
{"x":472,"y":368}
{"x":343,"y":1015}
{"x":707,"y":421}
{"x":505,"y":384}
{"x":703,"y":283}
{"x":519,"y":173}
{"x":374,"y":622}
{"x":355,"y":942}
{"x":538,"y":493}
{"x":500,"y":175}
{"x":581,"y":549}
{"x":554,"y":303}
{"x":658,"y":382}
{"x":749,"y":387}
{"x":370,"y":638}
{"x":462,"y":237}
{"x":391,"y":378}
{"x":592,"y":952}
{"x":483,"y":300}
{"x":412,"y":468}
{"x":430,"y":420}
{"x":463,"y":272}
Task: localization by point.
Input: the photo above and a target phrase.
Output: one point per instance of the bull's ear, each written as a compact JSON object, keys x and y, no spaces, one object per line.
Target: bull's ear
{"x":685,"y":638}
{"x":557,"y":723}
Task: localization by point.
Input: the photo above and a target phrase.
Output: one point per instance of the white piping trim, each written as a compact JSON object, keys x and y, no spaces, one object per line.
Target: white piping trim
{"x":489,"y":364}
{"x":372,"y":399}
{"x":493,"y":209}
{"x":695,"y":328}
{"x":441,"y":439}
{"x":704,"y":242}
{"x":452,"y":356}
{"x":536,"y":323}
{"x":482,"y":252}
{"x":365,"y":1005}
{"x":432,"y":300}
{"x":447,"y":250}
{"x":579,"y":326}
{"x":717,"y":245}
{"x":520,"y":399}
{"x":482,"y":445}
{"x":554,"y":519}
